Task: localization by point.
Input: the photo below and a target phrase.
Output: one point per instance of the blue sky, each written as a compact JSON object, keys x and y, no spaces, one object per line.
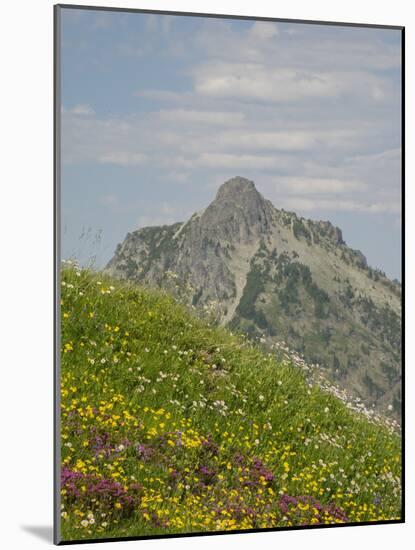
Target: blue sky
{"x":159,"y":110}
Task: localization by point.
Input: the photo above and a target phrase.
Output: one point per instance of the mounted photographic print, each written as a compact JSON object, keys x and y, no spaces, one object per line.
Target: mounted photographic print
{"x":229,"y":349}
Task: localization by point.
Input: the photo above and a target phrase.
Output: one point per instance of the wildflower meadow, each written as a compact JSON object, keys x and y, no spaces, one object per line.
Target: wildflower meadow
{"x":170,"y":424}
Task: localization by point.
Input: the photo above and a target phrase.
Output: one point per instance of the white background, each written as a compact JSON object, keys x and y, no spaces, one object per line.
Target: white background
{"x":26,"y":299}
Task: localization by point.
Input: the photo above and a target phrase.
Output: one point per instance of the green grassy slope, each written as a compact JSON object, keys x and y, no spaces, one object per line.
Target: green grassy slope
{"x":170,"y":425}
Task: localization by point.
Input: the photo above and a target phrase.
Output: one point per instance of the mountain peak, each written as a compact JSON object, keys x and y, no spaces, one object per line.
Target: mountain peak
{"x":238,"y":213}
{"x":233,"y":187}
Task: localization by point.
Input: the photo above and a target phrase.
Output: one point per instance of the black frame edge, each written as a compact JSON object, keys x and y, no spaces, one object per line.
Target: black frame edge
{"x":229,"y":16}
{"x":403,"y":239}
{"x":56,"y":270}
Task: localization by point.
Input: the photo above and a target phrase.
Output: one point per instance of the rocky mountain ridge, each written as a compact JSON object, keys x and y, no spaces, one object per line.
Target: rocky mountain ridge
{"x":269,"y":272}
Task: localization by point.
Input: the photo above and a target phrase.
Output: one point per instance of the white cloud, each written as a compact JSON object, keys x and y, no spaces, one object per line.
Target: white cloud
{"x":298,"y":46}
{"x":227,"y":161}
{"x":391,"y":206}
{"x":122,"y":158}
{"x":300,"y":204}
{"x":258,"y":82}
{"x":82,"y":109}
{"x":301,"y":185}
{"x":201,"y":117}
{"x":263,"y":30}
{"x":269,"y":82}
{"x":305,"y":118}
{"x":383,"y":157}
{"x":257,"y":140}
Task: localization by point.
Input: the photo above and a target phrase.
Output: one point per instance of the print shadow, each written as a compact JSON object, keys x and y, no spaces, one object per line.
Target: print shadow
{"x":43,"y":532}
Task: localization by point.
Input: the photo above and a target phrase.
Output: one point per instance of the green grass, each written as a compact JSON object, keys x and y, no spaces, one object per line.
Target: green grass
{"x":171,"y":425}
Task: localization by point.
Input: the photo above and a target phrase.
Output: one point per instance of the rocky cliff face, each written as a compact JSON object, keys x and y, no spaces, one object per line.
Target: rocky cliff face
{"x":269,"y":272}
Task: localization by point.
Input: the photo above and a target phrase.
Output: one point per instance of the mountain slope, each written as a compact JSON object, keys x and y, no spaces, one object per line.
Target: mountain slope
{"x":169,"y":425}
{"x":269,"y":272}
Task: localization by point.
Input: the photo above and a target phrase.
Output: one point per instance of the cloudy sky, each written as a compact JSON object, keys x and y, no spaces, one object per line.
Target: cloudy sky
{"x":159,"y":110}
